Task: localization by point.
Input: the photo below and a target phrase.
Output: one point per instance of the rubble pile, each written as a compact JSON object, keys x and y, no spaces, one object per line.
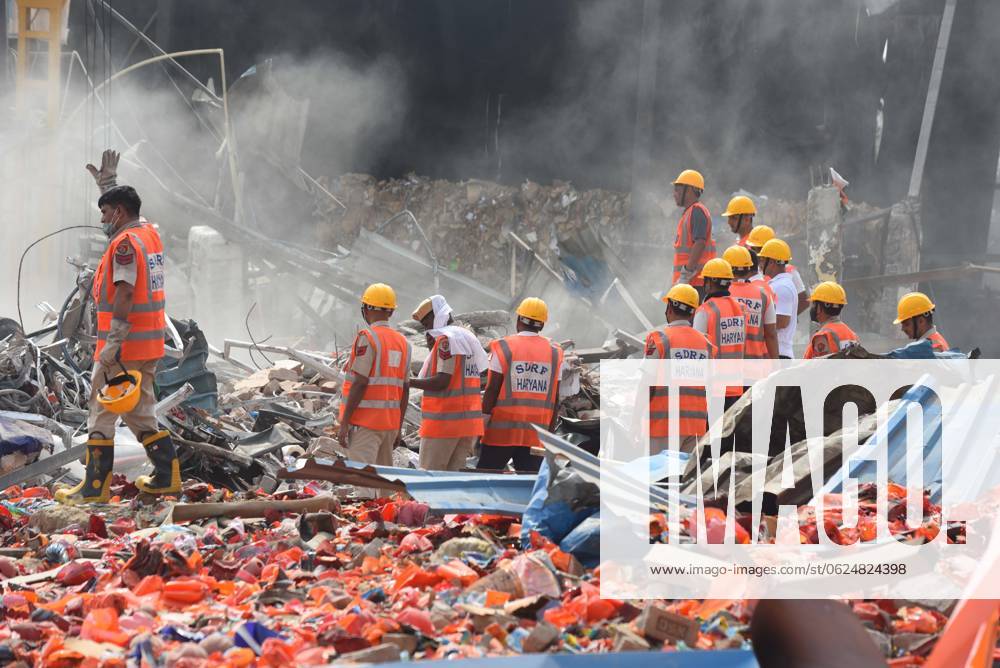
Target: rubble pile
{"x":467,"y":223}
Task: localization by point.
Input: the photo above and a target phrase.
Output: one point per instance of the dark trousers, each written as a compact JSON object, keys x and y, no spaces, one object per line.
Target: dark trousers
{"x":495,"y":457}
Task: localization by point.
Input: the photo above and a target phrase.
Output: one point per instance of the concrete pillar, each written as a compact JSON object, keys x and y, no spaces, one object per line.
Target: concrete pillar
{"x":216,"y":279}
{"x":873,"y":307}
{"x":825,"y":260}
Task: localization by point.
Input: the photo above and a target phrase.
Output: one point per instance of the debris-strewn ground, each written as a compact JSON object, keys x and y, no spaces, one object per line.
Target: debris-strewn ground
{"x":364,"y":581}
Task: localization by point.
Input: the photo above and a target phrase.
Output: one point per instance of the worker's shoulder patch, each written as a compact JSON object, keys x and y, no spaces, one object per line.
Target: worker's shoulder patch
{"x":360,"y":345}
{"x":650,"y":347}
{"x":444,"y":349}
{"x":124,"y":253}
{"x":819,"y":343}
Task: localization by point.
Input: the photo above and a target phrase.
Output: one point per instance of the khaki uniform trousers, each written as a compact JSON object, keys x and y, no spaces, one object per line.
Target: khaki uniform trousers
{"x":445,"y":454}
{"x":371,"y":447}
{"x":141,"y":420}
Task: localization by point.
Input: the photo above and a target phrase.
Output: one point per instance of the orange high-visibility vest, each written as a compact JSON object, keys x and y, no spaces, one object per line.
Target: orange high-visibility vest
{"x":835,"y":335}
{"x":684,"y":343}
{"x":147,"y":317}
{"x":743,"y":240}
{"x":684,"y":241}
{"x":938,"y":342}
{"x":764,"y":283}
{"x":726,"y":327}
{"x":754,"y":301}
{"x":457,"y":410}
{"x":379,"y":408}
{"x":529,"y":394}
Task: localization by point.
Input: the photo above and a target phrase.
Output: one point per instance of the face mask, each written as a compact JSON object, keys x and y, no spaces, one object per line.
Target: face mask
{"x":813,"y":311}
{"x":109,"y":228}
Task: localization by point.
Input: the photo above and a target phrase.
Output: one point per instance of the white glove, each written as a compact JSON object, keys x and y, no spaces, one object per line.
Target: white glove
{"x":107,"y":176}
{"x":113,"y":346}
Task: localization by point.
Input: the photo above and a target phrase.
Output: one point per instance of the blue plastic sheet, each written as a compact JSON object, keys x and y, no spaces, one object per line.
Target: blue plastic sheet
{"x":17,"y":436}
{"x":584,"y":542}
{"x":923,"y":350}
{"x":554,"y":519}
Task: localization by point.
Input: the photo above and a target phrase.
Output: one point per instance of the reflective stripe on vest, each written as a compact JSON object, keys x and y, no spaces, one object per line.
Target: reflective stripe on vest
{"x":726,"y":327}
{"x":682,"y":343}
{"x":457,"y":410}
{"x":529,"y":392}
{"x":754,"y":301}
{"x":683,"y":243}
{"x":146,"y":317}
{"x":379,"y":408}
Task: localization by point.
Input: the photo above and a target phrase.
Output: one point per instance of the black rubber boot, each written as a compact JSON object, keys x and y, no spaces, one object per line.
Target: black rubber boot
{"x":96,"y":484}
{"x":166,"y":478}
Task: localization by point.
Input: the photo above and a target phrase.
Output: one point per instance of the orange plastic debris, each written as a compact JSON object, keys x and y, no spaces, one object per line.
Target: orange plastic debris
{"x":101,"y":625}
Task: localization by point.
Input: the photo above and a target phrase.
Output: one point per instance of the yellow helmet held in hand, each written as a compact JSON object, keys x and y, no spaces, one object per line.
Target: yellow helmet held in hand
{"x":690,"y":177}
{"x":121,"y":394}
{"x":717,"y":268}
{"x":738,"y":257}
{"x":684,"y":294}
{"x":776,"y":250}
{"x":740,"y":205}
{"x":911,"y":305}
{"x":533,"y":308}
{"x":379,"y":295}
{"x":759,"y":236}
{"x":829,"y":292}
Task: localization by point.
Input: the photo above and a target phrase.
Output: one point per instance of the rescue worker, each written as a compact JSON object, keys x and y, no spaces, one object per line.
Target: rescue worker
{"x":828,"y":300}
{"x":678,"y":340}
{"x":740,"y":212}
{"x":377,"y":389}
{"x":720,"y":317}
{"x":452,"y":406}
{"x":129,"y":291}
{"x":723,"y":322}
{"x":774,"y":258}
{"x":522,"y":390}
{"x":759,"y":236}
{"x":693,"y":243}
{"x":915,"y":316}
{"x":758,"y":305}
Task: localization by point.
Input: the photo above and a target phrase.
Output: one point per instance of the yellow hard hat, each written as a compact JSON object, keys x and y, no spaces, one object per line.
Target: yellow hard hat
{"x":683,"y":293}
{"x":759,"y":236}
{"x":911,"y":305}
{"x":690,"y":177}
{"x":829,"y":292}
{"x":740,"y":205}
{"x":533,"y":308}
{"x":738,"y":257}
{"x":717,"y":268}
{"x":121,"y":393}
{"x":776,"y":249}
{"x":379,"y":295}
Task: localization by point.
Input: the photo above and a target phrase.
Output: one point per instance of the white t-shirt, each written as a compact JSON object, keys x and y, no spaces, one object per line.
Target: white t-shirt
{"x":797,"y":281}
{"x":788,"y":302}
